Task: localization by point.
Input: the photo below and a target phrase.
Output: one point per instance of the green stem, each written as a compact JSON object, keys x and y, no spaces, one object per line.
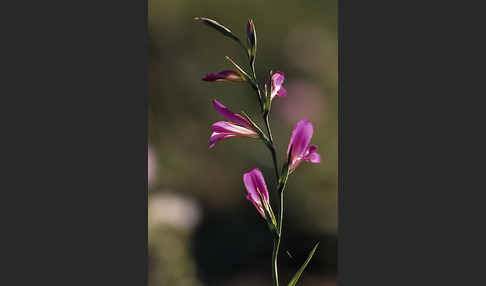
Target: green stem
{"x":281,"y":185}
{"x":259,"y":93}
{"x":276,"y":241}
{"x":271,"y":146}
{"x":265,"y":117}
{"x":276,"y":245}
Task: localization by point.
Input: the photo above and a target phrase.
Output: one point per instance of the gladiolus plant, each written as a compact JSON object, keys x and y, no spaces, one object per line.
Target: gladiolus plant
{"x":241,"y":125}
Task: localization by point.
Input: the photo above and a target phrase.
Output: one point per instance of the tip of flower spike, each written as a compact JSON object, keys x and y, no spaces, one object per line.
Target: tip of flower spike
{"x":250,"y":23}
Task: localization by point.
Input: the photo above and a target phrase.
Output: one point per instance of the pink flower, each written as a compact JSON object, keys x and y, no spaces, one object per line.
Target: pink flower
{"x":257,"y":191}
{"x":301,"y":150}
{"x":237,"y":127}
{"x":276,"y":88}
{"x":227,"y":75}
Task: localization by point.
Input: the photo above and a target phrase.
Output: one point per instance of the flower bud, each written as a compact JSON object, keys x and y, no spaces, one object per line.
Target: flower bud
{"x":252,"y":40}
{"x":217,"y":26}
{"x":227,"y":75}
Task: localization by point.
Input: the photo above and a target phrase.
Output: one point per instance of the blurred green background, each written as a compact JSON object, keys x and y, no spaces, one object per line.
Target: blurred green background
{"x":202,"y":230}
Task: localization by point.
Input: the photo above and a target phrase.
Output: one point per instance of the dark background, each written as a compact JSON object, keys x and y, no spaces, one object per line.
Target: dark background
{"x":202,"y":230}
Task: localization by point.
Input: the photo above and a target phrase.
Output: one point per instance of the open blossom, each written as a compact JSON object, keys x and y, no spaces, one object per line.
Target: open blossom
{"x":227,"y":75}
{"x":256,"y":188}
{"x":301,"y":150}
{"x":238,"y":125}
{"x":276,"y":88}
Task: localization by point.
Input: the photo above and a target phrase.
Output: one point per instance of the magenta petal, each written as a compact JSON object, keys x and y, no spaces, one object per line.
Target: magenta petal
{"x":230,"y":115}
{"x":257,"y":204}
{"x":227,"y":75}
{"x":313,"y":158}
{"x":300,"y":139}
{"x":260,"y":182}
{"x":227,"y":127}
{"x":215,"y":137}
{"x":312,"y":148}
{"x":277,"y":81}
{"x":282,"y":92}
{"x":255,"y":186}
{"x":312,"y":155}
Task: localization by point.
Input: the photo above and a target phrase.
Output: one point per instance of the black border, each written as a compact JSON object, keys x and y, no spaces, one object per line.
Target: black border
{"x":77,"y":129}
{"x":76,"y":156}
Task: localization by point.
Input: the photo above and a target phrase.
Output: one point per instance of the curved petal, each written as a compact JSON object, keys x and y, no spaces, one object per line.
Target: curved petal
{"x":294,"y":164}
{"x":282,"y":92}
{"x":313,"y":158}
{"x":230,"y":115}
{"x":300,"y":139}
{"x":312,"y":148}
{"x":251,"y":187}
{"x":255,"y":186}
{"x":258,"y":181}
{"x":227,"y":127}
{"x":312,"y":155}
{"x":215,"y":137}
{"x":257,"y":205}
{"x":277,"y":81}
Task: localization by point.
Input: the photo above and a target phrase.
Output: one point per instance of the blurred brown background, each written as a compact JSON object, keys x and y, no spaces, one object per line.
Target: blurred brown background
{"x":202,"y":230}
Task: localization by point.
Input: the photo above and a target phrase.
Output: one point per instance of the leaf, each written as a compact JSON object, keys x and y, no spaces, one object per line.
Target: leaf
{"x":302,"y":268}
{"x":217,"y":26}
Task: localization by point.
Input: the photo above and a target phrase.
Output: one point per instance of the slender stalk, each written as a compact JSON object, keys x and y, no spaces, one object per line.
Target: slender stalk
{"x":272,"y":146}
{"x":276,"y":245}
{"x":276,"y":241}
{"x":257,"y":87}
{"x":281,"y":185}
{"x":265,"y":117}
